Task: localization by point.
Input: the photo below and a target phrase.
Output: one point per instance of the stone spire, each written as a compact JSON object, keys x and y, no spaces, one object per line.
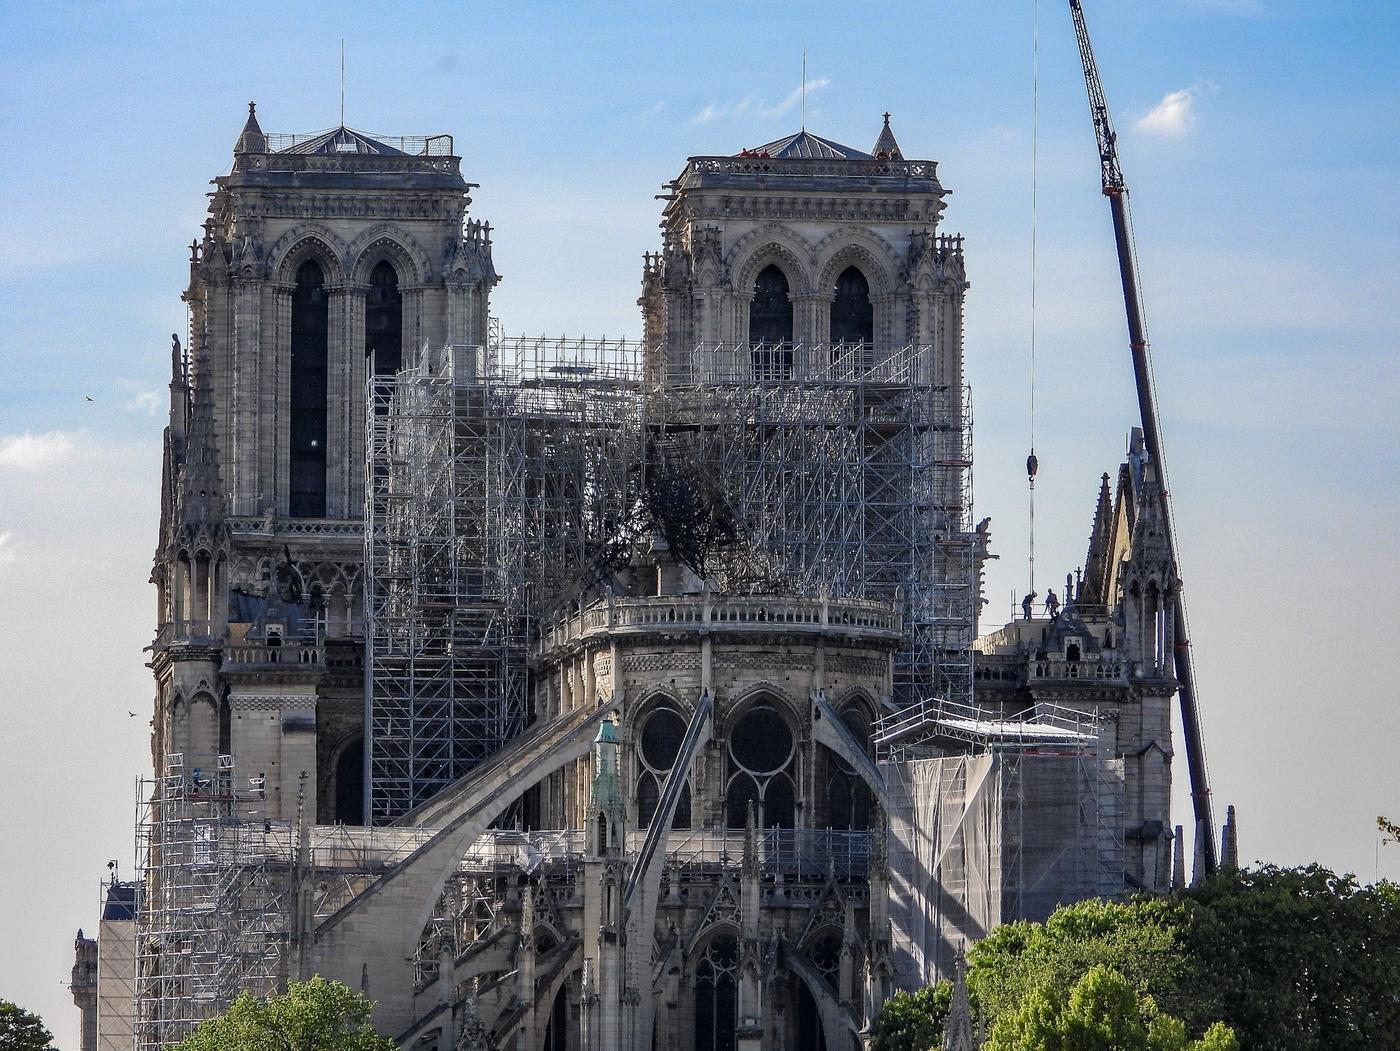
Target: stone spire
{"x":179,"y":396}
{"x":251,"y":139}
{"x":886,"y":148}
{"x":1179,"y":859}
{"x":471,"y":1031}
{"x":1229,"y":842}
{"x":1095,"y":588}
{"x":201,"y":495}
{"x":1198,"y":856}
{"x":957,"y":1027}
{"x":607,"y":804}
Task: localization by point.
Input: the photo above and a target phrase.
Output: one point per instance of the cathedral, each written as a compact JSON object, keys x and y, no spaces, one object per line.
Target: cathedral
{"x":568,"y":694}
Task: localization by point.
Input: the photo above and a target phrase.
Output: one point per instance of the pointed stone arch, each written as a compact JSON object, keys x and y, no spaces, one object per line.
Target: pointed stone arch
{"x":861,"y":249}
{"x":735,"y":706}
{"x":308,"y":240}
{"x":386,"y":242}
{"x":777,"y":245}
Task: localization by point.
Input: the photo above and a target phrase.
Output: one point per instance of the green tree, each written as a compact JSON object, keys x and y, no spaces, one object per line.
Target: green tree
{"x":1390,"y":831}
{"x":20,"y":1030}
{"x":1103,"y":1013}
{"x":1140,"y":939}
{"x":311,"y":1016}
{"x":1290,"y":959}
{"x":913,"y":1021}
{"x":1298,"y":958}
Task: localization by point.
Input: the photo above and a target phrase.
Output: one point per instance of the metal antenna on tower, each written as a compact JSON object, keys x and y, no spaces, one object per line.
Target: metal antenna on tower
{"x":804,"y":89}
{"x":1032,"y":464}
{"x":342,"y":82}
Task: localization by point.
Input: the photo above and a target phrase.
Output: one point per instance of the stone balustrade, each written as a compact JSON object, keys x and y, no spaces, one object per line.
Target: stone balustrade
{"x":1094,"y":668}
{"x":247,"y":656}
{"x":761,"y":613}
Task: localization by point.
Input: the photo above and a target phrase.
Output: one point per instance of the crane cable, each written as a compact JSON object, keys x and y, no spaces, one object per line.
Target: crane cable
{"x":1032,"y":464}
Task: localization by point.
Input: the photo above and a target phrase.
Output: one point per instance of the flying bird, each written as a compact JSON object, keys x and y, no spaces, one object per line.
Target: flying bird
{"x":88,"y":397}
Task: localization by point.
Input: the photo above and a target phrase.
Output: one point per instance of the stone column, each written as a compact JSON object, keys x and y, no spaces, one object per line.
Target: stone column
{"x":888,"y":329}
{"x":355,"y":405}
{"x":240,"y":455}
{"x":275,"y":407}
{"x":412,"y":327}
{"x":217,"y":338}
{"x":344,"y":344}
{"x":809,"y":326}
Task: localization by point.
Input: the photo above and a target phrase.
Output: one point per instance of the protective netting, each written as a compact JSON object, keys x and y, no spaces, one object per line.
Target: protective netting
{"x":980,"y":840}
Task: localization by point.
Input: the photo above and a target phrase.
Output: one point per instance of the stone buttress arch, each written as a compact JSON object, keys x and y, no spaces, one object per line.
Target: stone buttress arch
{"x":379,"y":929}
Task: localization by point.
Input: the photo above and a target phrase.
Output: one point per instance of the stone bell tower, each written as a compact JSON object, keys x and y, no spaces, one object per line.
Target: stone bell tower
{"x":325,"y":258}
{"x":806,"y":246}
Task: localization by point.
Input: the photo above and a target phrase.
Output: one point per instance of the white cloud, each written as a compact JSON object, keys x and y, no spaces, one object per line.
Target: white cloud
{"x":8,"y":551}
{"x":794,"y":97}
{"x":709,"y":113}
{"x":32,"y":452}
{"x":752,"y":103}
{"x":1171,"y":118}
{"x":140,"y":398}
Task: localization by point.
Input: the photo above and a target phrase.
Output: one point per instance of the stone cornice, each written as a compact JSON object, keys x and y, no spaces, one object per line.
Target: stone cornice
{"x":790,"y":208}
{"x":270,"y":702}
{"x":446,"y":206}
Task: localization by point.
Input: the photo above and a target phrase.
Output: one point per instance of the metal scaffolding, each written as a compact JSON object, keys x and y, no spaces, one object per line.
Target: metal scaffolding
{"x":217,"y":891}
{"x":211,"y":911}
{"x":505,"y":480}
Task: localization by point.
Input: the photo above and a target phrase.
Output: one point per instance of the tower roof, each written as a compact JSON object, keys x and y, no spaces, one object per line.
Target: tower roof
{"x":251,"y":139}
{"x":806,"y":146}
{"x":341,"y":140}
{"x":885,"y":145}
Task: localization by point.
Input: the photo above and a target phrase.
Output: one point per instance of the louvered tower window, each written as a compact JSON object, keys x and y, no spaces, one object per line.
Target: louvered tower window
{"x":307,"y":425}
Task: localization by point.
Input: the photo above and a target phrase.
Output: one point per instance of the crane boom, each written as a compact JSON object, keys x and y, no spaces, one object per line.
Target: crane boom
{"x":1115,"y":188}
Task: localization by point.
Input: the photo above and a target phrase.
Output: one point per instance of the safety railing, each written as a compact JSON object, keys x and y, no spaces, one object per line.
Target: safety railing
{"x":414,"y":145}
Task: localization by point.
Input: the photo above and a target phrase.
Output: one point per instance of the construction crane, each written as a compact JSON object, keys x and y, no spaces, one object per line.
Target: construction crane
{"x":1115,"y":188}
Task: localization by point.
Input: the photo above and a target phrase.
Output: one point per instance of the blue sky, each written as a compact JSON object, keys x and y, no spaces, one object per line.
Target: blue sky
{"x":1261,"y":139}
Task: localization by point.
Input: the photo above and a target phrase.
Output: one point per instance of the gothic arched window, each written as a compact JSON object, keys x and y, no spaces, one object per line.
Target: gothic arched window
{"x":307,"y":425}
{"x":384,"y":321}
{"x":657,"y":748}
{"x":852,"y":314}
{"x":717,"y":996}
{"x":350,"y":784}
{"x":847,"y":794}
{"x":770,"y":325}
{"x":761,"y":760}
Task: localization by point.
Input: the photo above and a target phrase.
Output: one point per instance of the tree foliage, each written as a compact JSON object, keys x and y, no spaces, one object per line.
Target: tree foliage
{"x":318,"y":1015}
{"x":22,"y":1030}
{"x":1103,"y":1012}
{"x":1141,"y":940}
{"x":913,"y":1021}
{"x":1298,"y":958}
{"x":1290,"y":959}
{"x":1390,"y":831}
